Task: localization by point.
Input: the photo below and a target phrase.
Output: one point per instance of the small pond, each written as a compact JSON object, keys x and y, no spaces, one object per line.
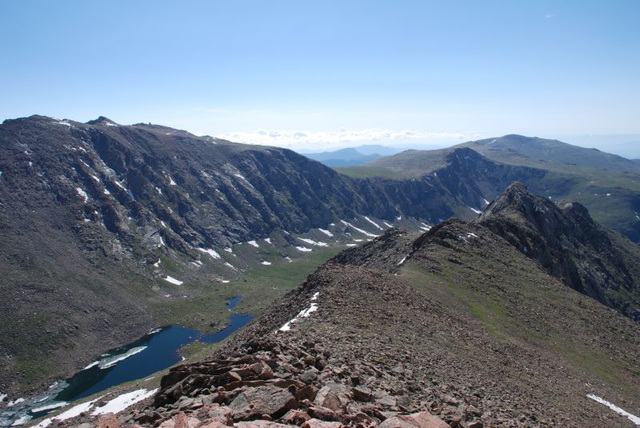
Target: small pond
{"x":154,"y":352}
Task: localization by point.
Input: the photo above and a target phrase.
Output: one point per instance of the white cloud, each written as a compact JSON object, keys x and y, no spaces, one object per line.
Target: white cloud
{"x":550,"y":15}
{"x":343,"y":138}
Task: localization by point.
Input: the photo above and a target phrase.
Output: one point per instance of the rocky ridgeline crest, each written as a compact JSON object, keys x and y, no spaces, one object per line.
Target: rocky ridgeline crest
{"x":570,"y":245}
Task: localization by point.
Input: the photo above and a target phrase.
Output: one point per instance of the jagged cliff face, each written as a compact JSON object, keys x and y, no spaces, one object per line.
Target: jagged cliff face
{"x":144,"y":185}
{"x":569,"y":245}
{"x":457,"y":322}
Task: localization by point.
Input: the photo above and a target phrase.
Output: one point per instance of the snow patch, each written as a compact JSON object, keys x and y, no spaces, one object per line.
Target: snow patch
{"x":352,"y":245}
{"x":373,"y":223}
{"x":76,"y":410}
{"x":171,"y":182}
{"x":254,"y":243}
{"x":229,"y":265}
{"x":112,"y":361}
{"x":475,"y":210}
{"x":312,"y":242}
{"x":173,"y":280}
{"x":63,"y":122}
{"x":402,"y":261}
{"x":387,"y":224}
{"x":326,"y":232}
{"x":21,"y":420}
{"x":304,"y":249}
{"x":211,"y":252}
{"x":618,"y":410}
{"x":241,"y":177}
{"x":159,"y":190}
{"x":303,"y":314}
{"x":123,"y":401}
{"x":266,"y":263}
{"x":82,"y":194}
{"x":268,"y":241}
{"x":315,"y":296}
{"x":2,"y":397}
{"x":399,"y":218}
{"x":364,"y":232}
{"x":14,"y":402}
{"x":229,"y":250}
{"x":49,"y":407}
{"x":485,"y":201}
{"x":95,"y":363}
{"x":157,"y":264}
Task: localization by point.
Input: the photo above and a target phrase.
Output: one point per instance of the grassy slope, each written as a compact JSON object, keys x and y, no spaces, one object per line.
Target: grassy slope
{"x":517,"y":304}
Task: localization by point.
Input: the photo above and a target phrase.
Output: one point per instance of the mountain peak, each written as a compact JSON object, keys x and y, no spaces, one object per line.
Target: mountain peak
{"x":568,"y":243}
{"x":518,"y":202}
{"x":101,"y":121}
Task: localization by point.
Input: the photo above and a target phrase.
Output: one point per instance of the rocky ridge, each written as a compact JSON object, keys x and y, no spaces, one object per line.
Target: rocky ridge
{"x":463,"y":329}
{"x":567,"y":242}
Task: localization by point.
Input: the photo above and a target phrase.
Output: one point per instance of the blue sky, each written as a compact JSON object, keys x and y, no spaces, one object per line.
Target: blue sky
{"x":329,"y":73}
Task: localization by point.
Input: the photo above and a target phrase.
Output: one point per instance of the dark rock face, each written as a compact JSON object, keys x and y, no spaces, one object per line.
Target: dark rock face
{"x":569,"y":245}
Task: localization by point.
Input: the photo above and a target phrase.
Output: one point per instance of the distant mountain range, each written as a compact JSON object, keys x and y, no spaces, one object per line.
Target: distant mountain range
{"x":352,"y":156}
{"x":608,"y":185}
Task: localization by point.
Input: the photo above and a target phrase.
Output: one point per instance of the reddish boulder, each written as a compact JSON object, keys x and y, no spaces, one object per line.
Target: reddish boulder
{"x":255,"y":402}
{"x":317,"y":423}
{"x":108,"y":421}
{"x":416,"y":420}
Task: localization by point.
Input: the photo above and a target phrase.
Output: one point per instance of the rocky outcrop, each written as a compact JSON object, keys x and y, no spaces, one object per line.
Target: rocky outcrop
{"x":276,"y":384}
{"x":569,"y":245}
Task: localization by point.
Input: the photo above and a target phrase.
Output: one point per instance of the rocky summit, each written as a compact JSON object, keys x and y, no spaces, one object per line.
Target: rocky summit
{"x":453,"y":327}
